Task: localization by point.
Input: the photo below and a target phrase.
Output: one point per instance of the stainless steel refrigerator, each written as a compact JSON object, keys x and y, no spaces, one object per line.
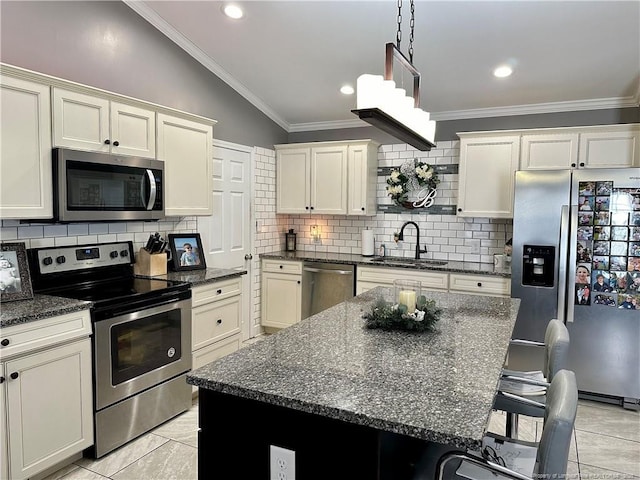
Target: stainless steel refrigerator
{"x":576,"y":257}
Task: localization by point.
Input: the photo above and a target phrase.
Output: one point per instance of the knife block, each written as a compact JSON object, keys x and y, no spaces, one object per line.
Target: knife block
{"x":150,"y":265}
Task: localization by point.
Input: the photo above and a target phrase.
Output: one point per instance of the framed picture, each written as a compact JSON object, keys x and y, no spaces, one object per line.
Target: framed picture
{"x":15,"y":282}
{"x":186,"y":251}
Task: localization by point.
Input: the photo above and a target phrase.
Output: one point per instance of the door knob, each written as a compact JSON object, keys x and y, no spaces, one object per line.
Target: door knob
{"x":248,"y":256}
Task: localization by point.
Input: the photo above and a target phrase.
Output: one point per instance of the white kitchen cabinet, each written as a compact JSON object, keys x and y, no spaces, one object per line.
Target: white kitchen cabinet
{"x":26,"y":188}
{"x":479,"y":285}
{"x":488,"y":163}
{"x":372,"y":277}
{"x":281,"y":293}
{"x":610,"y":147}
{"x":216,"y":314}
{"x":186,"y":147}
{"x":46,"y":395}
{"x":336,"y":178}
{"x":605,"y":146}
{"x":362,"y":175}
{"x":549,"y":151}
{"x":89,"y":122}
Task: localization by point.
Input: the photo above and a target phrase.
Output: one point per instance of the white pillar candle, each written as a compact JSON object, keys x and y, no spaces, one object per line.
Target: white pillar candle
{"x":408,"y":298}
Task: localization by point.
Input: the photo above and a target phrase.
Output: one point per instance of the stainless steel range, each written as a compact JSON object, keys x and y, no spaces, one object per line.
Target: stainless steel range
{"x":141,"y":336}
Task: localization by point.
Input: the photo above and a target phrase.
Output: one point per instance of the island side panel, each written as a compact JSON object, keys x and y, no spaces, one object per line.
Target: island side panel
{"x":235,"y":435}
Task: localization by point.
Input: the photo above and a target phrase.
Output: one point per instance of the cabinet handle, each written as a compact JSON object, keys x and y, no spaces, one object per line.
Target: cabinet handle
{"x":582,"y":164}
{"x":107,"y":142}
{"x":219,"y":291}
{"x":573,"y":164}
{"x":14,"y":375}
{"x":479,"y":284}
{"x":362,"y":209}
{"x":459,"y":209}
{"x":116,"y":143}
{"x":311,"y":208}
{"x":280,"y":266}
{"x":1,"y":379}
{"x":306,"y":208}
{"x":219,"y":321}
{"x":298,"y":282}
{"x":5,"y":342}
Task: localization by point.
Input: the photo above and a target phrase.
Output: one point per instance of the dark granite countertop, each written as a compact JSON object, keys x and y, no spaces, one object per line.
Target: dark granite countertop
{"x":40,"y":307}
{"x":202,"y":277}
{"x":448,"y":266}
{"x":435,"y":386}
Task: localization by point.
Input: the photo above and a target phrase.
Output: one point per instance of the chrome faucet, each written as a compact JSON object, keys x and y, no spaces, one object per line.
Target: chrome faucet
{"x":401,"y":237}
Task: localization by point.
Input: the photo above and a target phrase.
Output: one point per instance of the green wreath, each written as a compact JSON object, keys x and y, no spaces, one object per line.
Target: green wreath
{"x":388,"y":316}
{"x":410,"y":176}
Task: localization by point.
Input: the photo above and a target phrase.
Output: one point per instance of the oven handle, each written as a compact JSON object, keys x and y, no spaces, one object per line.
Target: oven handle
{"x":144,"y":307}
{"x":152,"y":189}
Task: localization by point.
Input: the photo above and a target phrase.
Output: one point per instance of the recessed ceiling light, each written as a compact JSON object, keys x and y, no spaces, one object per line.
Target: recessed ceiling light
{"x":347,"y":90}
{"x":503,"y":71}
{"x":233,"y":11}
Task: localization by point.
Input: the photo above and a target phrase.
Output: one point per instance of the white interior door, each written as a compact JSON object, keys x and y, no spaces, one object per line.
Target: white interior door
{"x":227,"y":234}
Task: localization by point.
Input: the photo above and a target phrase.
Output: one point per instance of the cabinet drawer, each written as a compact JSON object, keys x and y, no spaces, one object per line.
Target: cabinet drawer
{"x":480,"y":285}
{"x":281,"y":266}
{"x":216,"y":291}
{"x":43,"y":333}
{"x":385,"y":276}
{"x":208,"y":354}
{"x":215,"y":321}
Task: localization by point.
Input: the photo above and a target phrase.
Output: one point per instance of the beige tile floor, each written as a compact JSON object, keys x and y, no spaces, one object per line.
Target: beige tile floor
{"x":606,"y":446}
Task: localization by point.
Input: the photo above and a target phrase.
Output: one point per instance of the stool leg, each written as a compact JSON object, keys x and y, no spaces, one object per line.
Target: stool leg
{"x":512,"y":425}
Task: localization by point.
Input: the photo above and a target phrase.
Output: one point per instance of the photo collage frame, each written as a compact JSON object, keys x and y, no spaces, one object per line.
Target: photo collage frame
{"x":608,"y":246}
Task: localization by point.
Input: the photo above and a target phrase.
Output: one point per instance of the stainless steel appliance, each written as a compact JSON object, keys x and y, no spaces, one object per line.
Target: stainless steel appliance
{"x":325,"y":285}
{"x":101,"y":187}
{"x":141,"y":336}
{"x":576,"y":257}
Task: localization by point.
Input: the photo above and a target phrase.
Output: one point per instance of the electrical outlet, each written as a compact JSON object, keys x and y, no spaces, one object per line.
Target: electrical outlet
{"x":282,"y":463}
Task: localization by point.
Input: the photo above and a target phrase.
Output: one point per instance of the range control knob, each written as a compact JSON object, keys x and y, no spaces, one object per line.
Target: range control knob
{"x":47,"y":260}
{"x":61,"y":259}
{"x":124,"y":253}
{"x":113,"y":254}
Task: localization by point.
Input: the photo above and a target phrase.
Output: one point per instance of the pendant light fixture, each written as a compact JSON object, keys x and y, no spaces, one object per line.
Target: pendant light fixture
{"x":390,"y":109}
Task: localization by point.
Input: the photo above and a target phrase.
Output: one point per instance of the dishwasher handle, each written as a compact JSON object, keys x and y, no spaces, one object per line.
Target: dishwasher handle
{"x":326,"y":270}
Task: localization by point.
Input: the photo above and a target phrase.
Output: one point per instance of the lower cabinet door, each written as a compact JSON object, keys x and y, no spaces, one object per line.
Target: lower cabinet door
{"x":49,"y":407}
{"x":281,"y":299}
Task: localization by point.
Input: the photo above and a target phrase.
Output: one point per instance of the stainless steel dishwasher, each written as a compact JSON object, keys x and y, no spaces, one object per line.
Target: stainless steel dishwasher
{"x":325,"y":285}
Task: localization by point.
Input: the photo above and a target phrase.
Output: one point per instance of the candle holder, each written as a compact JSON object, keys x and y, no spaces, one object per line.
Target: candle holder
{"x":407,"y":293}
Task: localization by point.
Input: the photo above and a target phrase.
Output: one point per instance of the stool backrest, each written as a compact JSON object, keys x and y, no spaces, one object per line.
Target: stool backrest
{"x":556,"y":341}
{"x":559,"y":419}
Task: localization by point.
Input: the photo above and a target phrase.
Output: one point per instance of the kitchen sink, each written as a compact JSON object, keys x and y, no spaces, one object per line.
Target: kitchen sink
{"x":408,"y":261}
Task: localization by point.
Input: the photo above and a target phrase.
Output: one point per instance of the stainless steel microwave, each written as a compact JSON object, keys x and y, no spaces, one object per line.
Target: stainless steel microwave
{"x":96,"y":187}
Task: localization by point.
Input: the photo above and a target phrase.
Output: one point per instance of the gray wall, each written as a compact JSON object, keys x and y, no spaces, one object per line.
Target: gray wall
{"x":109,"y":46}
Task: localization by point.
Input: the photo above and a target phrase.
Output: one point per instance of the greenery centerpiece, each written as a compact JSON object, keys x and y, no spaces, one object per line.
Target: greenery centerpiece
{"x":396,"y":316}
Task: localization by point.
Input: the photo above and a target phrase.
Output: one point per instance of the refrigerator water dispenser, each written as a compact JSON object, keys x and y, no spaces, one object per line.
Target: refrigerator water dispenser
{"x":538,"y":265}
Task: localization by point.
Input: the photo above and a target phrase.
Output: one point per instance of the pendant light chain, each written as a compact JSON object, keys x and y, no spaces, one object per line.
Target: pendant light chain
{"x":411,"y":24}
{"x":399,"y":32}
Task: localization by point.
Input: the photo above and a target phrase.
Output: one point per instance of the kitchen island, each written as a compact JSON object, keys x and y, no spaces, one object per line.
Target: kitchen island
{"x":341,"y":395}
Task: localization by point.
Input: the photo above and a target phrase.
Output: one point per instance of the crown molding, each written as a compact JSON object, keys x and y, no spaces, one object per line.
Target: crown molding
{"x":332,"y":125}
{"x":183,"y":42}
{"x":537,"y":108}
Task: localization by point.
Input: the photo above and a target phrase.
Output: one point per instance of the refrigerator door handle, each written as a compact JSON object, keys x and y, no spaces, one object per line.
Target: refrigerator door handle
{"x":564,"y":309}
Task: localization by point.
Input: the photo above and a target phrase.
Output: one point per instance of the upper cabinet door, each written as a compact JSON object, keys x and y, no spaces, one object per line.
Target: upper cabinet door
{"x":80,"y":121}
{"x":548,"y":151}
{"x":487,"y":175}
{"x":25,"y":150}
{"x":292,"y":180}
{"x":329,"y":180}
{"x":363,"y":177}
{"x":186,"y":147}
{"x":617,"y":146}
{"x":133,"y":131}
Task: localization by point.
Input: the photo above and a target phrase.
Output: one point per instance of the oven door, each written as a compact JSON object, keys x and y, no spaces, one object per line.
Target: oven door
{"x":139,"y":350}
